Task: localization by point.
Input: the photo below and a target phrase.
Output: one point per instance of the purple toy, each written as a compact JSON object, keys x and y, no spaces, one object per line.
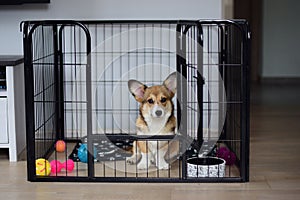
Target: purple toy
{"x":227,"y":155}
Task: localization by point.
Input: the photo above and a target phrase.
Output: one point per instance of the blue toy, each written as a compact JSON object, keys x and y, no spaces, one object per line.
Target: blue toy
{"x":83,"y":153}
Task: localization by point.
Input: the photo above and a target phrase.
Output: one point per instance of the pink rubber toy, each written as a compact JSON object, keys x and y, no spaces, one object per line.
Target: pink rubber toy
{"x":69,"y":165}
{"x":57,"y":166}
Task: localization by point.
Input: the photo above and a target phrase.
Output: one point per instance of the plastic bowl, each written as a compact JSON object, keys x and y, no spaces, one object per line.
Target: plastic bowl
{"x":206,"y":167}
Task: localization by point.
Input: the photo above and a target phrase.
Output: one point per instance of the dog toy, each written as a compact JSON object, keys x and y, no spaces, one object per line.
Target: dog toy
{"x":42,"y":167}
{"x":57,"y":166}
{"x":83,"y":153}
{"x":227,"y":155}
{"x":69,"y":165}
{"x":60,"y":146}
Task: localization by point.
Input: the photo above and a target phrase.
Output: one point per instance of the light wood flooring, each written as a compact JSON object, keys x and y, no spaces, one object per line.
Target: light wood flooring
{"x":274,"y":163}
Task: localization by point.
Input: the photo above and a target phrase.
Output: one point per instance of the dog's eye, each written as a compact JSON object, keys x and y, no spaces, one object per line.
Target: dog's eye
{"x":150,"y":101}
{"x":163,"y":100}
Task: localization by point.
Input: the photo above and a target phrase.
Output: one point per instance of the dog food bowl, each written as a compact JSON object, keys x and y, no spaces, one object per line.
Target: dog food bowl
{"x":206,"y":167}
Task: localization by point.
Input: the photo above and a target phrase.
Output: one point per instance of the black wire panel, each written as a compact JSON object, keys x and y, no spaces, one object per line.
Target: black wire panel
{"x":76,"y":90}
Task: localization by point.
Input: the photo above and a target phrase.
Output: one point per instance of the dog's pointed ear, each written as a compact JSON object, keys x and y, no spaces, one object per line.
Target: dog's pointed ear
{"x":171,"y":84}
{"x":137,"y":89}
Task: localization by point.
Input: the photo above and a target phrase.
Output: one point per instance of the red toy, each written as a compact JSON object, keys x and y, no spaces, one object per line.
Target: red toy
{"x":57,"y":166}
{"x":60,"y":146}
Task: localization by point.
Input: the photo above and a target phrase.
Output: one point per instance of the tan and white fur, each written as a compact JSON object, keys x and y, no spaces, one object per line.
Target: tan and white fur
{"x":156,"y":117}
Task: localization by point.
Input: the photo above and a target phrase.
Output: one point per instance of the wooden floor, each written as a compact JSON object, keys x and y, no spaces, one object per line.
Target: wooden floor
{"x":274,"y":167}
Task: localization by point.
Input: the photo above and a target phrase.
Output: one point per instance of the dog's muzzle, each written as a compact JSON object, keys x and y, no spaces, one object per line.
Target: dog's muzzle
{"x":157,"y":111}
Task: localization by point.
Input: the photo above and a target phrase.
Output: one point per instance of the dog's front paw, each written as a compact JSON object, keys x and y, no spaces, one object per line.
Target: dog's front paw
{"x":163,"y":165}
{"x":143,"y":165}
{"x":132,"y":160}
{"x":145,"y":162}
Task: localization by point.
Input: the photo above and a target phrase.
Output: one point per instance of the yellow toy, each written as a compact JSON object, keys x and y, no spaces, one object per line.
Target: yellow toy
{"x":42,"y":167}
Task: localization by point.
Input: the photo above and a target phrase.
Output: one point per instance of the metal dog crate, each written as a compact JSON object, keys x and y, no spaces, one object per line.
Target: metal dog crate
{"x":76,"y":76}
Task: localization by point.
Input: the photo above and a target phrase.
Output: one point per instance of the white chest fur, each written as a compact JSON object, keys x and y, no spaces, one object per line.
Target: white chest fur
{"x":156,"y":125}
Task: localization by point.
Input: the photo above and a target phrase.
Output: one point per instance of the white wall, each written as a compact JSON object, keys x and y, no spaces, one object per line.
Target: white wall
{"x":281,"y":39}
{"x":11,"y":16}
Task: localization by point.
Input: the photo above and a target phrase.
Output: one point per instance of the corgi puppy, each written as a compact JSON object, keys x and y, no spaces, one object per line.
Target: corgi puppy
{"x":156,"y":117}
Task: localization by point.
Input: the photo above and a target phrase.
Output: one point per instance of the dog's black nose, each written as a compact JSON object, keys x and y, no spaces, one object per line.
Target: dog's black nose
{"x":158,"y":113}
